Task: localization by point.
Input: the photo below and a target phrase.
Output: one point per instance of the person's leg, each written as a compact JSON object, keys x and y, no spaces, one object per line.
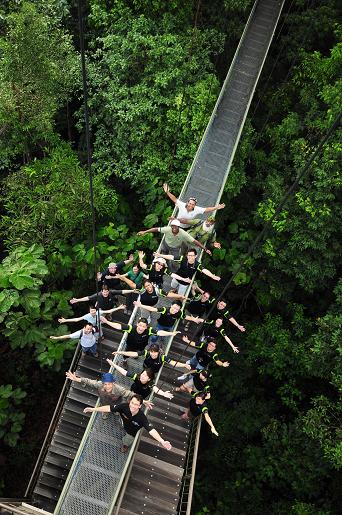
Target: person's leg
{"x":175,"y":284}
{"x":186,"y":387}
{"x":126,"y":442}
{"x":93,"y":350}
{"x":185,"y":415}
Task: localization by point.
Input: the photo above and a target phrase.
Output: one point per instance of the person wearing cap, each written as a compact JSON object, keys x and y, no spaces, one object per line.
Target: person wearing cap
{"x":108,"y":390}
{"x":168,"y":316}
{"x":189,"y":265}
{"x":198,"y":406}
{"x":110,"y":276}
{"x":153,"y":358}
{"x":189,"y":209}
{"x":155,"y":271}
{"x":176,"y":240}
{"x":133,"y":419}
{"x":198,"y":382}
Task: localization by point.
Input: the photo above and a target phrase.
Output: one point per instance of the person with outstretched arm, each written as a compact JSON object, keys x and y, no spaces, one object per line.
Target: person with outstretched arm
{"x":221,"y":310}
{"x":198,"y":406}
{"x":143,"y":382}
{"x":189,"y":209}
{"x":91,"y":317}
{"x":153,"y":358}
{"x":176,"y":239}
{"x":86,"y":337}
{"x":215,"y":329}
{"x":205,"y":355}
{"x":108,"y":390}
{"x":133,"y":419}
{"x":105,"y":299}
{"x":155,"y":271}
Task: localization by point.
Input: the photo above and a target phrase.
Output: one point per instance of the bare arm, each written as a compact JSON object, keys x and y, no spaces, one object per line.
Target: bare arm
{"x":63,"y":337}
{"x":199,"y":244}
{"x":234,"y":322}
{"x":169,"y":257}
{"x":101,"y":409}
{"x":142,"y":264}
{"x":162,"y":393}
{"x":154,"y":433}
{"x":222,"y":363}
{"x":207,"y":272}
{"x":214,"y":208}
{"x":173,"y":295}
{"x":121,"y":370}
{"x":125,"y":279}
{"x":178,"y":364}
{"x":129,"y":260}
{"x":65,"y":320}
{"x":81,"y":299}
{"x":148,"y":308}
{"x":114,"y":325}
{"x":193,"y":319}
{"x":229,"y":341}
{"x":129,"y":354}
{"x":153,"y":229}
{"x":179,"y":278}
{"x":188,"y":341}
{"x":168,"y":193}
{"x":210,"y":423}
{"x":161,"y":332}
{"x":122,"y":306}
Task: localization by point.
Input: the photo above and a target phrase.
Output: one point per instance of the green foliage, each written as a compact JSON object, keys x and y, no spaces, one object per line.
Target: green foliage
{"x":38,"y":71}
{"x":152,"y":91}
{"x":48,"y":200}
{"x":27,"y":314}
{"x":11,"y":421}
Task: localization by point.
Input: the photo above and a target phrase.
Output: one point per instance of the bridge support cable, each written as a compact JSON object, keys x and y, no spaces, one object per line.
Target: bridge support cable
{"x":96,"y":478}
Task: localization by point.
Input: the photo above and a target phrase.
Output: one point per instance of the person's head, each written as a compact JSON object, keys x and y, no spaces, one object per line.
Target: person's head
{"x":209,"y":221}
{"x":218,"y":322}
{"x":211,"y":346}
{"x":135,"y":403}
{"x":222,"y":304}
{"x":205,"y":296}
{"x":191,"y":256}
{"x":88,"y":328}
{"x":146,"y":376}
{"x":159,"y":264}
{"x":175,"y":225}
{"x":191,"y":204}
{"x":142,"y":325}
{"x":154,"y":351}
{"x":112,"y":268}
{"x":148,"y":286}
{"x":200,"y":398}
{"x":105,"y":290}
{"x":92,"y":310}
{"x":107,"y":381}
{"x":204,"y":375}
{"x":136,"y":269}
{"x":175,"y":307}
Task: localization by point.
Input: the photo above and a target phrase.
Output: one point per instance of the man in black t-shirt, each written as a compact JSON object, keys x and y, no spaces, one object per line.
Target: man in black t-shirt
{"x":205,"y":355}
{"x":105,"y":299}
{"x":198,"y":382}
{"x":198,"y":406}
{"x":215,"y":329}
{"x":153,"y":358}
{"x":221,"y":310}
{"x":133,"y":419}
{"x":150,"y":294}
{"x":110,"y":276}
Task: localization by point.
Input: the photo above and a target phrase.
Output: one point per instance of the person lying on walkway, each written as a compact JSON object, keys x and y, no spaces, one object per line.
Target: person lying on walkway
{"x":143,"y":382}
{"x":153,"y":358}
{"x":92,"y":317}
{"x":213,"y":329}
{"x":86,"y":336}
{"x":105,"y":299}
{"x":176,"y":239}
{"x":202,"y":230}
{"x":133,"y":419}
{"x":220,"y":310}
{"x":110,"y":275}
{"x":204,"y":356}
{"x":108,"y":390}
{"x":197,"y":381}
{"x":198,"y":406}
{"x":189,"y":209}
{"x":168,"y":317}
{"x":188,"y":266}
{"x":138,"y":336}
{"x":155,"y":271}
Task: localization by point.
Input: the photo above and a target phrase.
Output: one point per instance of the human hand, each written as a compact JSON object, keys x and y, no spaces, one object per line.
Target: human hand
{"x":235,"y":349}
{"x":140,"y":233}
{"x":109,"y":361}
{"x":103,"y":319}
{"x":148,"y":404}
{"x":88,"y":410}
{"x":137,"y":303}
{"x":208,"y":251}
{"x":71,"y":375}
{"x":188,"y":367}
{"x":166,"y":187}
{"x":61,"y":320}
{"x":121,"y":306}
{"x":213,"y":430}
{"x":221,"y":206}
{"x":141,"y":253}
{"x":73,"y":300}
{"x":168,"y":395}
{"x":241,"y":328}
{"x":216,"y":278}
{"x":167,"y":445}
{"x":98,"y":276}
{"x":225,"y":364}
{"x":185,"y":339}
{"x":217,"y":244}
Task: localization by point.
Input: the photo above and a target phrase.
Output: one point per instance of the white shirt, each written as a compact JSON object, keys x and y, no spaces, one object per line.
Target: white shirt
{"x":184,"y":213}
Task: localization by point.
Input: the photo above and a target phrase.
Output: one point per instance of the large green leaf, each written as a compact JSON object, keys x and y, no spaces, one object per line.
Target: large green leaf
{"x":8,"y":298}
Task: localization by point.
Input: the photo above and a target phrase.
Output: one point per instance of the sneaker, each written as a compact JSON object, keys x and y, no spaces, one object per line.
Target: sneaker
{"x":96,"y":355}
{"x":104,"y":416}
{"x":84,"y":353}
{"x":124,"y":448}
{"x":181,"y":378}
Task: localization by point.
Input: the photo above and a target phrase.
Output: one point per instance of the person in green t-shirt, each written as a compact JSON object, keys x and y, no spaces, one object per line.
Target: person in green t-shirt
{"x":136,"y":275}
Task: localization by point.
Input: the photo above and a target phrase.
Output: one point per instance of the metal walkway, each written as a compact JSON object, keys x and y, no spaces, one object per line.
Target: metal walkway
{"x":149,"y":480}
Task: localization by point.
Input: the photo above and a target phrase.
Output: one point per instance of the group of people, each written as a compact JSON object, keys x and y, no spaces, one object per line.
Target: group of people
{"x":145,"y":287}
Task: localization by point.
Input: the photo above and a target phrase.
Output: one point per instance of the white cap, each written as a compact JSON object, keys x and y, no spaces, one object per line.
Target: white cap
{"x":159,"y":260}
{"x":176,"y":222}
